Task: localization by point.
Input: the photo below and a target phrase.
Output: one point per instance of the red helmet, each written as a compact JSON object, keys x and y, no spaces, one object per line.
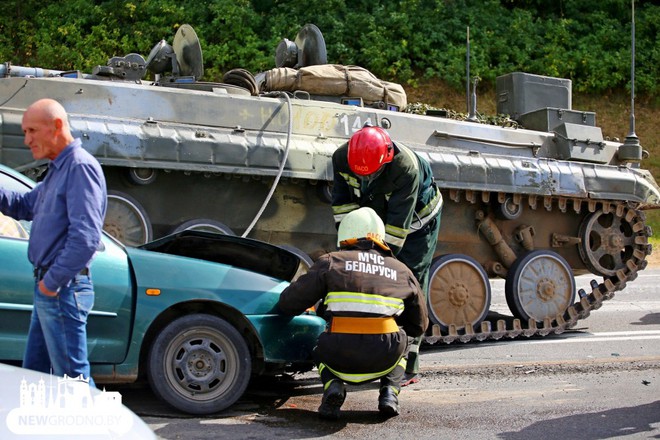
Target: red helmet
{"x":368,"y":150}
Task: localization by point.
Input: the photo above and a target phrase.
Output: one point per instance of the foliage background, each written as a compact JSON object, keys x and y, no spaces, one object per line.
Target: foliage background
{"x":420,"y":43}
{"x":587,"y":41}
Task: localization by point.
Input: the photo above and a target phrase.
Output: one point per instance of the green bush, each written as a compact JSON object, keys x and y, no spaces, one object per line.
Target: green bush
{"x":653,"y":220}
{"x":587,"y":41}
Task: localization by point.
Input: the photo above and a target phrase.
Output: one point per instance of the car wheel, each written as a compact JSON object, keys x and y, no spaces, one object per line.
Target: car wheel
{"x":199,"y":364}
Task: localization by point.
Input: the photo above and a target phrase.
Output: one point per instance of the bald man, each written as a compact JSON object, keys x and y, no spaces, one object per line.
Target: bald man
{"x":67,"y":211}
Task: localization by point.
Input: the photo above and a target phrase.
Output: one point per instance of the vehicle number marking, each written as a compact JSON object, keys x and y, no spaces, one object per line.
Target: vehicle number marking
{"x":352,"y":127}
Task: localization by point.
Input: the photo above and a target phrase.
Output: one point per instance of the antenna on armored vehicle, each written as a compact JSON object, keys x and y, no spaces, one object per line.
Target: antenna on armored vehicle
{"x":467,"y":70}
{"x":472,"y":115}
{"x":307,"y":50}
{"x":471,"y":103}
{"x":631,"y":149}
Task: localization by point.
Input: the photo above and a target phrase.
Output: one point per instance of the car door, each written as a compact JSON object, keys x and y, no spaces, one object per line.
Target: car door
{"x":16,"y":288}
{"x":109,"y":323}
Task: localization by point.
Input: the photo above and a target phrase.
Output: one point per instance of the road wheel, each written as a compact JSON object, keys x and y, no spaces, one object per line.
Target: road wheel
{"x":459,"y":292}
{"x":324,"y":191}
{"x":305,"y":260}
{"x":126,"y":220}
{"x":539,"y":285}
{"x":204,"y":224}
{"x":199,"y":364}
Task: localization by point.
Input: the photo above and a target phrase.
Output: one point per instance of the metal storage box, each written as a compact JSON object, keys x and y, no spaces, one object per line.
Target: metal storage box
{"x":583,"y":143}
{"x":546,"y":119}
{"x":519,"y":93}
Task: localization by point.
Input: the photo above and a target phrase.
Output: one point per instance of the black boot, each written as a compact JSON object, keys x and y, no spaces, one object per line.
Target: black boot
{"x":409,"y":379}
{"x":388,"y":402}
{"x":333,"y":399}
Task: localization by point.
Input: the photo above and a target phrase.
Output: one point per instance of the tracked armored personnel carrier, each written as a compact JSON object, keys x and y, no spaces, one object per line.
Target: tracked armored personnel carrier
{"x":534,"y":203}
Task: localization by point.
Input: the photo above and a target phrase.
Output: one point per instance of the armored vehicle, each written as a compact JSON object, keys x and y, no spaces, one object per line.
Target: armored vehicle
{"x":534,"y":203}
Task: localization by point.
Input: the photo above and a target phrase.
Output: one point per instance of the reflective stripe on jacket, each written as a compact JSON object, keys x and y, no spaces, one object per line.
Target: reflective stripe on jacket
{"x":363,"y":303}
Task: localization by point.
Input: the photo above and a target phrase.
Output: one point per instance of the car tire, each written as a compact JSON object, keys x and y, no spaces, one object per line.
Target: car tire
{"x":199,"y":364}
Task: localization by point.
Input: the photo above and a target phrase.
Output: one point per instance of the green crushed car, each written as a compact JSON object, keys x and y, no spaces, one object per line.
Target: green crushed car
{"x":193,"y":313}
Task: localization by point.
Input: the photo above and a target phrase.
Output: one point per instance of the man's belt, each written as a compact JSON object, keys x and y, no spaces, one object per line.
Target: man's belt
{"x":363,"y":326}
{"x":40,"y":272}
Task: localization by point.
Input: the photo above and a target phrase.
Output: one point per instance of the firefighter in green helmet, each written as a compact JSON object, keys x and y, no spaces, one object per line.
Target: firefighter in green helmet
{"x":372,"y":303}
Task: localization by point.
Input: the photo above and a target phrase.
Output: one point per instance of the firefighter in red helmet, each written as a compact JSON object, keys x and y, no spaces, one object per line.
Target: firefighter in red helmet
{"x":396,"y":182}
{"x":368,"y":150}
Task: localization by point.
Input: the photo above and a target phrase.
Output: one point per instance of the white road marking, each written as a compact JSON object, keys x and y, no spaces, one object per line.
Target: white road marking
{"x":567,"y":338}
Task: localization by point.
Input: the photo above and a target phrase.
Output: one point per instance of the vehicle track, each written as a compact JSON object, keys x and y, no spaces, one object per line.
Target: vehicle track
{"x":511,"y":328}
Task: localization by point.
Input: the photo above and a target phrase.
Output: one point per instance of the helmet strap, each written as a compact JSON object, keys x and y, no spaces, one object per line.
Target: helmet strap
{"x":353,"y":241}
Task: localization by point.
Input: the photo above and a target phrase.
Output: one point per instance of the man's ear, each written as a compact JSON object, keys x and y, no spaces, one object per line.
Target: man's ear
{"x":58,"y":124}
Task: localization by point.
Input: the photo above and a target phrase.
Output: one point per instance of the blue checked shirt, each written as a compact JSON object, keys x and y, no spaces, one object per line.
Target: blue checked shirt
{"x":67,"y":211}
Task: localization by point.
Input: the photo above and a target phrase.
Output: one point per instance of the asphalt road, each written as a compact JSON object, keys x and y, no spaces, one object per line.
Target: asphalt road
{"x":599,"y":381}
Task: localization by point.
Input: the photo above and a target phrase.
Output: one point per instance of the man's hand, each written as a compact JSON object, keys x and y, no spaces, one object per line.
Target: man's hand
{"x":43,"y":289}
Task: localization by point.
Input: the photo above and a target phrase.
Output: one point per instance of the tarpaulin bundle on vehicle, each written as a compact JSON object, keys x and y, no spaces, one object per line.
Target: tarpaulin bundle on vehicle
{"x":336,"y":80}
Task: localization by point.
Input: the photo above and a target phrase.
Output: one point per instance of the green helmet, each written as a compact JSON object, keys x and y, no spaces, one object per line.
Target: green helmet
{"x":361,"y":223}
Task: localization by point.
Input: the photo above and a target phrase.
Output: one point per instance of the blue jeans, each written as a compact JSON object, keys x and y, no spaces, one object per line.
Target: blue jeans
{"x":58,"y":335}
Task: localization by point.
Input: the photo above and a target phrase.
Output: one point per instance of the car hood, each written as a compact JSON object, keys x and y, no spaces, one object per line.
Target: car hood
{"x":246,"y":253}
